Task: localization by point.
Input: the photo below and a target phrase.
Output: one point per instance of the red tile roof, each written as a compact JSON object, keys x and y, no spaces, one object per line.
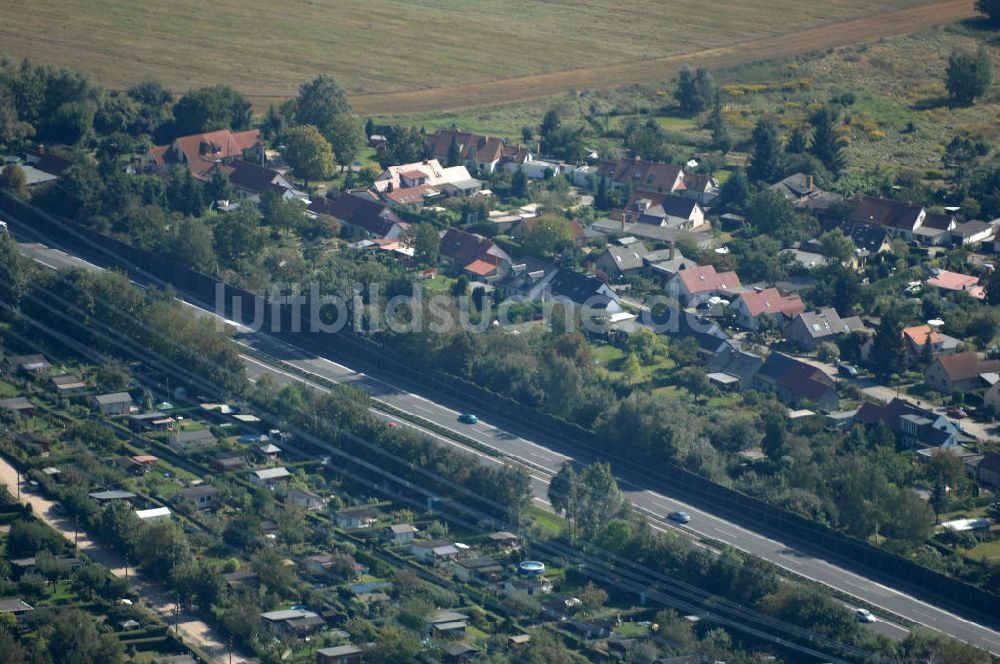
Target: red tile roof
{"x":471,"y":147}
{"x":770,"y":301}
{"x":953,"y":281}
{"x":202,"y":151}
{"x":963,"y":366}
{"x":887,"y":212}
{"x":705,"y":279}
{"x":917,"y":335}
{"x":529,"y":224}
{"x":641,"y":174}
{"x":371,"y":216}
{"x":483,"y":268}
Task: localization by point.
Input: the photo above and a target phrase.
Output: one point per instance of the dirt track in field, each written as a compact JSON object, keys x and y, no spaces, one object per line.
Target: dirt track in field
{"x":654,"y":70}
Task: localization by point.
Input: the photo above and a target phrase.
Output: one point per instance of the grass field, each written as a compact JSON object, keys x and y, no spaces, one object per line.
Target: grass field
{"x":445,"y":52}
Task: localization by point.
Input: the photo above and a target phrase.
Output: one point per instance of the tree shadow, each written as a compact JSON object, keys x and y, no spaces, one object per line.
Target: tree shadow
{"x":931,"y":103}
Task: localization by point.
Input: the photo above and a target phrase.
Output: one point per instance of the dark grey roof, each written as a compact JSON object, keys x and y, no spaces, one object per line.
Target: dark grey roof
{"x":580,"y":288}
{"x":827,"y":322}
{"x":737,"y":363}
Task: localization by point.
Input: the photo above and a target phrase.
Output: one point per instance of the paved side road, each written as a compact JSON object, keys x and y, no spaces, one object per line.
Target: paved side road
{"x":151,"y":594}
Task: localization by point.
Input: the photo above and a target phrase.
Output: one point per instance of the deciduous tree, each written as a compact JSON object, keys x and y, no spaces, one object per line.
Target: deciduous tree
{"x":969,"y":76}
{"x":309,"y":153}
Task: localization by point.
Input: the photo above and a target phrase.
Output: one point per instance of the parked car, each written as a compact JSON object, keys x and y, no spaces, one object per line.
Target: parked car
{"x":865,"y":616}
{"x":957,"y":412}
{"x":468,"y":418}
{"x":847,"y":371}
{"x":679,"y":517}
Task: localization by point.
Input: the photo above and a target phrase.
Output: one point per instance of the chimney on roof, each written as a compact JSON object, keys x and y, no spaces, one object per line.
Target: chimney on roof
{"x":623,"y":221}
{"x":390,"y":186}
{"x":810,"y":184}
{"x":673,"y":251}
{"x":41,"y":148}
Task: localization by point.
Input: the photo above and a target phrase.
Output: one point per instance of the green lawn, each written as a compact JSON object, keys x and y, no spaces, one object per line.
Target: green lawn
{"x":439,"y":283}
{"x":546,"y":520}
{"x":7,"y":390}
{"x":987,"y":550}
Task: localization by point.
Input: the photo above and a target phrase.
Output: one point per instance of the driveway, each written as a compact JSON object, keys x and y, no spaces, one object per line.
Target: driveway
{"x":152,"y":595}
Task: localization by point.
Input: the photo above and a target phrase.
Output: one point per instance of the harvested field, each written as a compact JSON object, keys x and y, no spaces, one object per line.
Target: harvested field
{"x":398,"y":56}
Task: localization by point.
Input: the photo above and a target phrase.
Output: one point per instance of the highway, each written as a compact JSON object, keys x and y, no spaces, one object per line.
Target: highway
{"x":510,"y":441}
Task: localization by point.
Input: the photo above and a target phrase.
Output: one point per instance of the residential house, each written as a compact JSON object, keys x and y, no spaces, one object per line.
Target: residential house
{"x":527,"y":279}
{"x":972,"y":232}
{"x":419,"y":182}
{"x":476,"y":256}
{"x":796,"y":383}
{"x":906,"y":220}
{"x":29,"y":364}
{"x":110,"y":405}
{"x":653,"y":233}
{"x":915,"y":426}
{"x":481,"y":153}
{"x":801,"y":190}
{"x":992,"y":396}
{"x":361,"y":516}
{"x":250,"y":181}
{"x":104,"y":497}
{"x":153,"y":514}
{"x":433,"y":551}
{"x":662,"y":209}
{"x":960,"y":371}
{"x":201,"y":153}
{"x":918,"y":336}
{"x":400,"y":533}
{"x":620,"y":262}
{"x":269,"y":477}
{"x":185,"y":440}
{"x":700,"y":187}
{"x":361,"y":217}
{"x":639,"y":174}
{"x":811,"y":328}
{"x":955,"y":281}
{"x":698,"y":284}
{"x":732,"y":370}
{"x":987,"y":471}
{"x":869,"y":239}
{"x":583,"y":290}
{"x":203,"y":496}
{"x":529,"y":225}
{"x":41,"y":167}
{"x":68,"y":385}
{"x":345,"y":654}
{"x":477,"y":569}
{"x":681,"y":324}
{"x":664,"y":264}
{"x":753,"y":306}
{"x":307,"y":500}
